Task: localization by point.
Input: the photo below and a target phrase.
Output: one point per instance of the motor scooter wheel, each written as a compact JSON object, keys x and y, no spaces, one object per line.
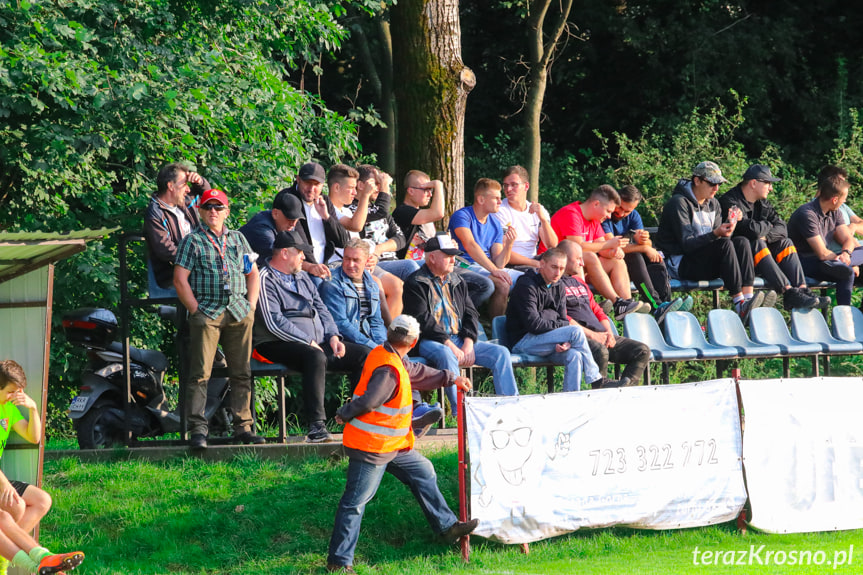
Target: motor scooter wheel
{"x":98,"y":429}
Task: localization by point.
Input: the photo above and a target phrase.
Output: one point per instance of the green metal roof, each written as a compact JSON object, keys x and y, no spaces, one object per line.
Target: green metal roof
{"x":23,"y":252}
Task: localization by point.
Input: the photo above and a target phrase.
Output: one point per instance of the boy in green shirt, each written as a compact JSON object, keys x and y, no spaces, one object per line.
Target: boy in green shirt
{"x":23,"y":505}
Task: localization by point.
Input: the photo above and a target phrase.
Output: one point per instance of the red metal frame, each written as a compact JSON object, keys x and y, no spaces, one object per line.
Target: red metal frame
{"x":462,"y":475}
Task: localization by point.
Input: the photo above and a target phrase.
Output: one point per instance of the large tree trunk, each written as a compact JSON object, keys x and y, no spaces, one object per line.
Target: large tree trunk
{"x":431,"y":84}
{"x":543,"y":46}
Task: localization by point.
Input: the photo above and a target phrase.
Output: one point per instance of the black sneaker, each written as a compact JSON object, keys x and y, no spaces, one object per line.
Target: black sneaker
{"x":605,"y":383}
{"x":748,"y":305}
{"x":824,"y":301}
{"x":318,"y":433}
{"x":248,"y":438}
{"x":660,"y":312}
{"x":198,"y":441}
{"x":623,"y":307}
{"x":459,"y":530}
{"x":796,"y":298}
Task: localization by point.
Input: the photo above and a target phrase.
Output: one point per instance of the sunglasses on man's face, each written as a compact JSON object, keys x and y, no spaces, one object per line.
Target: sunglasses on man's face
{"x":217,"y":207}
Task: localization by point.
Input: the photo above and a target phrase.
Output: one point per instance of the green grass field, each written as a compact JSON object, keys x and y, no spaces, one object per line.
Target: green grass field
{"x":254,"y":516}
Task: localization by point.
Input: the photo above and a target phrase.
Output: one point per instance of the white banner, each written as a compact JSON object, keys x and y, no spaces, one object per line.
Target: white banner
{"x":803,"y":453}
{"x":655,"y":457}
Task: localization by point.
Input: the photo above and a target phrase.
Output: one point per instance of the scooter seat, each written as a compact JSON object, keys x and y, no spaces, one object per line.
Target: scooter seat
{"x":155,"y":360}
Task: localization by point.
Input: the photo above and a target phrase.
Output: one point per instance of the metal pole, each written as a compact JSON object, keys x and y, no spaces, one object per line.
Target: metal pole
{"x":462,"y":474}
{"x":735,"y":373}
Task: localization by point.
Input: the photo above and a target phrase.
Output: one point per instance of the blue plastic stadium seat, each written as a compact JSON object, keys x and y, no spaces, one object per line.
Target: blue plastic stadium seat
{"x":642,"y":327}
{"x":768,"y":327}
{"x":847,"y":323}
{"x":809,"y":326}
{"x":683,"y":330}
{"x":725,"y":328}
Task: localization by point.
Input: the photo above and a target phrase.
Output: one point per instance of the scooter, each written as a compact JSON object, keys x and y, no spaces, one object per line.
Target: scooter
{"x":98,"y":412}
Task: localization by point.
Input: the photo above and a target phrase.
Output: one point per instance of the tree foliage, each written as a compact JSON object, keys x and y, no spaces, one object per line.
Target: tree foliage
{"x":96,"y":95}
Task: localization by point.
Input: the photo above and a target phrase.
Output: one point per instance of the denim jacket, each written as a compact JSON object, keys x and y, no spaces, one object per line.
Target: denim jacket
{"x":341,"y":297}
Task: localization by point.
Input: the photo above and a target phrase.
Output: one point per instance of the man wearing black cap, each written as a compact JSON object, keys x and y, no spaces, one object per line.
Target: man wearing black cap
{"x":774,"y":255}
{"x":294,"y":327}
{"x":261,"y":230}
{"x":319,"y":228}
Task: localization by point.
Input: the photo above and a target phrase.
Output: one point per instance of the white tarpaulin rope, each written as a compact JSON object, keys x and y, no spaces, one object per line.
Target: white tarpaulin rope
{"x":655,"y":457}
{"x":803,"y":453}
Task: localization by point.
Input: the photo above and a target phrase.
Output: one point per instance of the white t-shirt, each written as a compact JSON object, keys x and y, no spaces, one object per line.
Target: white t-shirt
{"x":185,"y":225}
{"x":338,"y":254}
{"x":316,"y":230}
{"x":526,"y":228}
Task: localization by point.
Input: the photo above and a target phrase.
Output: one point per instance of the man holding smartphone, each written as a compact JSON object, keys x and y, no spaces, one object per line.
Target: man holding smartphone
{"x":696,"y":241}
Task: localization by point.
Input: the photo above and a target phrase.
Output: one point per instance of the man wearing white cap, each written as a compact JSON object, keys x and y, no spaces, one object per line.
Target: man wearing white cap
{"x":378,"y":439}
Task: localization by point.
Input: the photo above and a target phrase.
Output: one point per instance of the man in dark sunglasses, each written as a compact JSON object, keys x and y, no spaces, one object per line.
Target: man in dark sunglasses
{"x":217,"y":280}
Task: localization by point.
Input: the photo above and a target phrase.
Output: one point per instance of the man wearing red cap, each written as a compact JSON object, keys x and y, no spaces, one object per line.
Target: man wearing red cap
{"x":217,"y":280}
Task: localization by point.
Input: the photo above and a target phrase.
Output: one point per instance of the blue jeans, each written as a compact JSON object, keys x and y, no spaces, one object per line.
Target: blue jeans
{"x":399,"y":268}
{"x":479,"y":287}
{"x":495,"y":357}
{"x":575,"y":360}
{"x":513,"y":274}
{"x":363,"y":480}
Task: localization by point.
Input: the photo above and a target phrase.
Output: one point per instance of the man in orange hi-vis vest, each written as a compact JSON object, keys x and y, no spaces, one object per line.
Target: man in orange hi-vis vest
{"x":378,"y":438}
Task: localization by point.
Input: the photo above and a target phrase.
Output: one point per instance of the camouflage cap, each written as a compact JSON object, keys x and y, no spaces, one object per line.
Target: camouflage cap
{"x":709,"y":171}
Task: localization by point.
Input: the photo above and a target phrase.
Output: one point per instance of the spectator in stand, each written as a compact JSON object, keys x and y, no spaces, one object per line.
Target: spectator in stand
{"x":815,"y":223}
{"x":170,"y":216}
{"x":217,"y":282}
{"x":319,"y":228}
{"x":487,"y":247}
{"x":261,"y":230}
{"x":852,"y":220}
{"x":531,"y":221}
{"x":353,"y":298}
{"x":581,"y":307}
{"x":774,"y":255}
{"x":697,"y":244}
{"x":581,"y":222}
{"x":354,"y":301}
{"x":645,"y":264}
{"x":384,"y":235}
{"x":377,"y":438}
{"x":344,"y":190}
{"x":294,"y":327}
{"x":423,"y":205}
{"x":537,"y":324}
{"x":449,"y":322}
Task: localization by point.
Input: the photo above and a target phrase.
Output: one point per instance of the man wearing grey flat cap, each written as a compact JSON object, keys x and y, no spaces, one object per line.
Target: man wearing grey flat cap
{"x":696,"y":241}
{"x":773,"y":253}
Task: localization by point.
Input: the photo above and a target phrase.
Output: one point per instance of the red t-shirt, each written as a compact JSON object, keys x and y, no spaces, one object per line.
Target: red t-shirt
{"x":569,"y":221}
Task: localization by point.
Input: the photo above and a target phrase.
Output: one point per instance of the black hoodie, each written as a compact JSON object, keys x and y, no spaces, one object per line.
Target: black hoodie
{"x":686,"y":226}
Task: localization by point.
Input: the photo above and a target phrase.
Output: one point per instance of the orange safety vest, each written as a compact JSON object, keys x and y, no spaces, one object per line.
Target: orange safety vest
{"x":386,"y":428}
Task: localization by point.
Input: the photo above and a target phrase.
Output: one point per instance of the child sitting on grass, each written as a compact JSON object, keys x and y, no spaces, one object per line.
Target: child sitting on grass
{"x":22,"y":506}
